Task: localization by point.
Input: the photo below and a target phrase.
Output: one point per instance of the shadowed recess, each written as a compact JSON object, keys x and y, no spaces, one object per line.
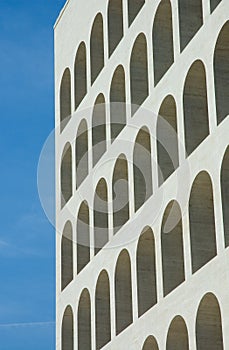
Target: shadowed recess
{"x":115,"y":24}
{"x":65,"y":99}
{"x":67,"y":339}
{"x":80,"y":74}
{"x":84,"y":321}
{"x":66,"y":256}
{"x":97,"y":47}
{"x":66,"y":174}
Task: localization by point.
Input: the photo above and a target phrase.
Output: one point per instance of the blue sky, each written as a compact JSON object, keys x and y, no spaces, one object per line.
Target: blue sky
{"x":27,"y":241}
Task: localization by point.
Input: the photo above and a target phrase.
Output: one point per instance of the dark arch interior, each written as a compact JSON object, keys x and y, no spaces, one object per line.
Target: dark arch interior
{"x":67,"y":330}
{"x":84,"y":321}
{"x":66,"y":175}
{"x":177,"y":338}
{"x":115,"y":24}
{"x":134,"y":6}
{"x":150,"y":344}
{"x":83,"y":237}
{"x":97,"y":47}
{"x":66,"y":256}
{"x":80,"y":76}
{"x":65,"y":99}
{"x":99,"y":129}
{"x":81,"y":153}
{"x":225,"y":194}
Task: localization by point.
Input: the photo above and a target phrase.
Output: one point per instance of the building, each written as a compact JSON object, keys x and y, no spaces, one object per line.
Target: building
{"x":142,"y":174}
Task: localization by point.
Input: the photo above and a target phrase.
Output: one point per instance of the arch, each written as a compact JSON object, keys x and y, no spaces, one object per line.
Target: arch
{"x":99,"y":129}
{"x":167,"y":140}
{"x":221,"y":73}
{"x":139,"y":73}
{"x":102,"y":310}
{"x":100,"y":216}
{"x":66,"y":256}
{"x":66,"y":174}
{"x":190,"y":20}
{"x":115,"y":24}
{"x":80,"y":74}
{"x":195,"y":107}
{"x":225,"y":194}
{"x":134,"y":6}
{"x":120,"y":193}
{"x":146,"y":271}
{"x":163,"y":55}
{"x":81,"y":153}
{"x":83,"y":236}
{"x":67,"y":333}
{"x":97,"y":47}
{"x":150,"y":344}
{"x":65,"y":99}
{"x":84,"y":321}
{"x":177,"y":338}
{"x":172,"y":247}
{"x":209,"y":324}
{"x":202,"y":221}
{"x":214,"y":4}
{"x":118,"y":102}
{"x":123,"y":292}
{"x":142,"y":167}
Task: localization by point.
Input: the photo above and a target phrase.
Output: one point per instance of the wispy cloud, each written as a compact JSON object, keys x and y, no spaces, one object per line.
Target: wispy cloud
{"x":27,"y":324}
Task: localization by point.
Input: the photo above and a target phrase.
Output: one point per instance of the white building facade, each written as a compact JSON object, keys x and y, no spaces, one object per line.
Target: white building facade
{"x":142,"y":175}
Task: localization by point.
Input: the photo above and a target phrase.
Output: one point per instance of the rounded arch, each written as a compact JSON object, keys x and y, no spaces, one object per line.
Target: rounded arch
{"x":66,"y":174}
{"x":167,"y":140}
{"x":190,"y":20}
{"x":118,"y":102}
{"x":99,"y":129}
{"x":146,"y":271}
{"x":101,"y":234}
{"x":81,"y":153}
{"x":97,"y":47}
{"x":65,"y":99}
{"x":177,"y":337}
{"x":120,"y":193}
{"x":221,"y":73}
{"x":142,"y":167}
{"x":134,"y":6}
{"x":102,"y":310}
{"x":123,"y":292}
{"x":139,"y":73}
{"x":209,"y":324}
{"x":202,"y":221}
{"x":163,"y":55}
{"x":172,"y":247}
{"x":80,"y":74}
{"x":214,"y":4}
{"x":115,"y":24}
{"x":195,"y":107}
{"x":67,"y":334}
{"x":84,"y":321}
{"x":150,"y":344}
{"x":66,"y":255}
{"x":83,"y":236}
{"x":225,"y":194}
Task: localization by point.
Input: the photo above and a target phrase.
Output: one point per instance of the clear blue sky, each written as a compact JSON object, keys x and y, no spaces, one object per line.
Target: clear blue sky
{"x":27,"y":242}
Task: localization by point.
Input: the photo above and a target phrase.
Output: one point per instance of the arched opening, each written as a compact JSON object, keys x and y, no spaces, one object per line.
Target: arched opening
{"x":100,"y":216}
{"x":80,"y":76}
{"x":202,"y":221}
{"x":83,"y":237}
{"x":146,"y":272}
{"x":66,"y":174}
{"x":67,"y":336}
{"x":102,"y":310}
{"x":65,"y":99}
{"x":66,"y":256}
{"x":163,"y":55}
{"x":150,"y":344}
{"x":84,"y":321}
{"x":167,"y":140}
{"x":118,"y":102}
{"x":209,"y":324}
{"x":97,"y":47}
{"x":177,"y":338}
{"x":142,"y":168}
{"x":81,"y":152}
{"x":190,"y":20}
{"x":134,"y":6}
{"x":214,"y":4}
{"x":225,"y":194}
{"x":99,"y":129}
{"x":195,"y":107}
{"x":123,"y":292}
{"x":221,"y":72}
{"x":172,"y":248}
{"x":139,"y":73}
{"x":120,"y":193}
{"x":115,"y":24}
